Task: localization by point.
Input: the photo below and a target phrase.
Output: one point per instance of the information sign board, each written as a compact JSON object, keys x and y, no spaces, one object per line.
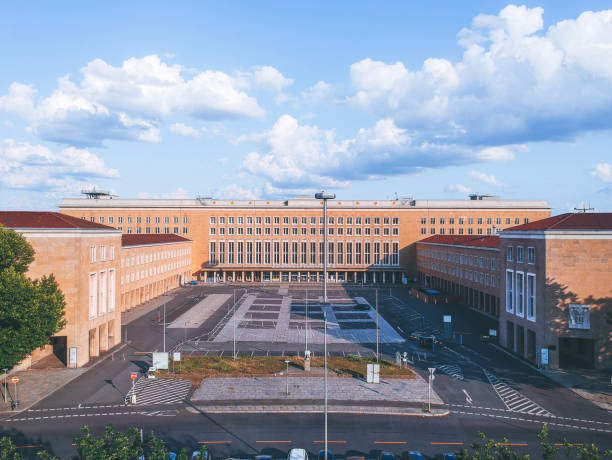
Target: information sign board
{"x":544,"y":356}
{"x":176,"y":356}
{"x":160,"y":360}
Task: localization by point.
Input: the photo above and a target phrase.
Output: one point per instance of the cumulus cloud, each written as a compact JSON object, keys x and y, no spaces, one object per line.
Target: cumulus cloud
{"x":268,"y":77}
{"x":128,"y":102}
{"x":319,"y":92}
{"x":295,"y":155}
{"x":486,"y":178}
{"x":456,"y":188}
{"x":603,"y":171}
{"x":515,"y":82}
{"x":185,"y":130}
{"x":35,"y":167}
{"x":234,"y":191}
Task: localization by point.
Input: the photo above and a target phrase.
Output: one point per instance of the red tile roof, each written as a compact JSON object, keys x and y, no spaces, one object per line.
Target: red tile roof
{"x":464,"y":240}
{"x":43,"y":219}
{"x":139,"y":239}
{"x":570,"y":221}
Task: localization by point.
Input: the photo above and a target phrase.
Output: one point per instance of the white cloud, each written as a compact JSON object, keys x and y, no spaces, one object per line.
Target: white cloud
{"x":486,"y":178}
{"x":603,"y":171}
{"x":234,"y":191}
{"x":185,"y":130}
{"x":268,"y":77}
{"x":515,"y":83}
{"x":128,"y":102}
{"x":457,"y":188}
{"x":35,"y":167}
{"x":319,"y":92}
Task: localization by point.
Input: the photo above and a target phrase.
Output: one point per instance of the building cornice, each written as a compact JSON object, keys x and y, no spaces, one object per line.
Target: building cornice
{"x":460,"y":246}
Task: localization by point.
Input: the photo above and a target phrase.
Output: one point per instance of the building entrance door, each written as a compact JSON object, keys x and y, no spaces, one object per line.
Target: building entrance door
{"x":60,"y":348}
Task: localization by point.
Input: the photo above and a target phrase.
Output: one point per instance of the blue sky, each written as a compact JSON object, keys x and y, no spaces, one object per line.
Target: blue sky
{"x":271,"y":99}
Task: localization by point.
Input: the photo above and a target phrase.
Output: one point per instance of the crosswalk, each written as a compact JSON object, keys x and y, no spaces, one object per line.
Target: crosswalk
{"x":160,"y":391}
{"x":452,"y":371}
{"x":515,"y":401}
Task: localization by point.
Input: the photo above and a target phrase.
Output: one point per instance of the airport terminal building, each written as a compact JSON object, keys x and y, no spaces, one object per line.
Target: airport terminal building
{"x":282,"y":240}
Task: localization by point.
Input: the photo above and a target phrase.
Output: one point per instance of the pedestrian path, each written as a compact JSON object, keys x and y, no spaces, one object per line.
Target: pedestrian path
{"x":515,"y":401}
{"x":160,"y":391}
{"x":452,"y":371}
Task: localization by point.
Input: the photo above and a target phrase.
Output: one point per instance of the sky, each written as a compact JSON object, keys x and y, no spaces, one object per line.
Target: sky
{"x":369,"y":100}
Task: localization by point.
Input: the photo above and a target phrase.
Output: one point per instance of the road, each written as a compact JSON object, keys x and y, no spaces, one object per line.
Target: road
{"x":484,"y":389}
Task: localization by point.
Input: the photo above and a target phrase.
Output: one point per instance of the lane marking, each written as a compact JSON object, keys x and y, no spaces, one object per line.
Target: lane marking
{"x":390,"y":442}
{"x":514,"y":444}
{"x":447,"y":443}
{"x":467,"y":397}
{"x":274,"y":442}
{"x":329,"y":442}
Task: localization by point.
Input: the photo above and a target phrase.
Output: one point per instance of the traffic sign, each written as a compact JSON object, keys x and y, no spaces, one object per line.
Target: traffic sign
{"x":134,"y":376}
{"x":14,"y":379}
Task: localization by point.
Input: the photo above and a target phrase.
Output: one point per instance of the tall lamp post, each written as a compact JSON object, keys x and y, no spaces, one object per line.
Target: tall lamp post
{"x":165,"y":298}
{"x":325,"y":378}
{"x":325,"y":196}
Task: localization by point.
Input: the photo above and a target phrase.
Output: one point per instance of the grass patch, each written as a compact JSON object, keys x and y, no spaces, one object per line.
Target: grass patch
{"x":195,"y":368}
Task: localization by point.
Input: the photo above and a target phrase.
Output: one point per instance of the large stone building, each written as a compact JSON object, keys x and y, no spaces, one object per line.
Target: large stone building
{"x":467,"y":267}
{"x":100,"y":272}
{"x":282,"y":240}
{"x":557,"y":290}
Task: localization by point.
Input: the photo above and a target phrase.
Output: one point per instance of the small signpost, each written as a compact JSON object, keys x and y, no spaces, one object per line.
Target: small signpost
{"x":15,"y":380}
{"x":176,"y":358}
{"x":544,"y":357}
{"x":133,"y":376}
{"x":160,"y":360}
{"x":398,"y":358}
{"x":373,"y":373}
{"x":72,"y":359}
{"x":431,"y":379}
{"x":448,"y":329}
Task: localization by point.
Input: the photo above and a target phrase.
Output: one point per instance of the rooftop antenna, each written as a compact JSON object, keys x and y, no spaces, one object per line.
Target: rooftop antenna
{"x":584,"y":209}
{"x":94,"y":194}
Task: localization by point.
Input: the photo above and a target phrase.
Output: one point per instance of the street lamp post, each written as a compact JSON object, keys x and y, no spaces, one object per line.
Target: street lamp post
{"x":165,"y":298}
{"x":325,"y":196}
{"x":234,"y":314}
{"x":431,"y":378}
{"x":376,"y":325}
{"x":325,"y":375}
{"x":287,"y":376}
{"x":5,"y":385}
{"x":306,"y":349}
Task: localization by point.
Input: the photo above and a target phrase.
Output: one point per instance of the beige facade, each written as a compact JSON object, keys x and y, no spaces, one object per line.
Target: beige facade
{"x":557,"y":293}
{"x":467,"y":268}
{"x":281,"y":240}
{"x":85,"y":263}
{"x":149,"y":267}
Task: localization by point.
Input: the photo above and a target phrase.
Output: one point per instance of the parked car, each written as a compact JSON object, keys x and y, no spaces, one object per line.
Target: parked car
{"x":414,"y":455}
{"x":263,"y":457}
{"x":449,"y":456}
{"x":386,"y":456}
{"x":297,"y":454}
{"x":330,"y":456}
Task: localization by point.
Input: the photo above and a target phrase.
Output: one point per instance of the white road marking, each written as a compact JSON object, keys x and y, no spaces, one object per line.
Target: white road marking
{"x":467,"y":397}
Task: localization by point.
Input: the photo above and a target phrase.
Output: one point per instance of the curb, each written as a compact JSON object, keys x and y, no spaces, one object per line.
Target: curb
{"x":357,"y":410}
{"x":7,"y":414}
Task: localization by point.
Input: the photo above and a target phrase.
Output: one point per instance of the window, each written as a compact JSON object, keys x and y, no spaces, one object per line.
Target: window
{"x":358,"y":253}
{"x":461,"y":231}
{"x":249,"y":220}
{"x":349,"y":221}
{"x":93,"y":295}
{"x":313,"y":253}
{"x":531,"y":299}
{"x":230,"y":252}
{"x":186,"y":230}
{"x":222,"y":220}
{"x":367,"y":221}
{"x":531,"y":256}
{"x":489,"y":221}
{"x":111,"y":290}
{"x":509,"y":291}
{"x":349,"y":253}
{"x":376,"y":254}
{"x":340,"y":220}
{"x":461,"y":220}
{"x":129,"y":219}
{"x":110,"y":220}
{"x":357,"y":220}
{"x":101,"y":219}
{"x":340,"y":253}
{"x":258,"y":252}
{"x":267,"y":249}
{"x":276,"y":256}
{"x":92,"y":254}
{"x":395,"y":257}
{"x":212,"y":253}
{"x":212,"y":230}
{"x":330,"y":220}
{"x":185,"y":220}
{"x":479,"y":221}
{"x":313,"y":221}
{"x":276,"y":220}
{"x":442,"y":220}
{"x":119,"y":220}
{"x":258,"y":220}
{"x":517,"y":220}
{"x":423,"y":220}
{"x":303,"y":255}
{"x":509,"y":253}
{"x":175,"y":230}
{"x":221,"y":252}
{"x":451,"y":221}
{"x":432,"y":231}
{"x":519,"y":254}
{"x":520,"y":294}
{"x":395,"y":231}
{"x":470,"y":231}
{"x":366,"y":255}
{"x":358,"y":231}
{"x":102,"y":304}
{"x":395,"y":221}
{"x":432,"y":221}
{"x":166,"y":220}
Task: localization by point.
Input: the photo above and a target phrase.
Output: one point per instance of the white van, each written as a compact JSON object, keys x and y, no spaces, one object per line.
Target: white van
{"x":297,"y":454}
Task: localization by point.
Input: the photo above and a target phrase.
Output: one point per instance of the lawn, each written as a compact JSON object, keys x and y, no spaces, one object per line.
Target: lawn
{"x":195,"y":368}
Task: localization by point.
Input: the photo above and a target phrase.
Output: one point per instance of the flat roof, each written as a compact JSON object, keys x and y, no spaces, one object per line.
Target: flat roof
{"x":487,"y":241}
{"x":300,"y":203}
{"x":46,"y":219}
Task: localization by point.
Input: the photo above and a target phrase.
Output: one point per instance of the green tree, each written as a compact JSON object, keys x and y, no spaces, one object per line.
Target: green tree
{"x":8,"y":450}
{"x":31,"y":311}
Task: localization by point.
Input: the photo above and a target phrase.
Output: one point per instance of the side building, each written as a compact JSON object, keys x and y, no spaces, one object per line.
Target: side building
{"x":84,"y":258}
{"x":557,"y":290}
{"x":101,"y":272}
{"x":466,"y":267}
{"x":282,"y":240}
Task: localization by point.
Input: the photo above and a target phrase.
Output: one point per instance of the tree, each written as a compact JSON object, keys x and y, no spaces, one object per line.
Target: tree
{"x":31,"y":311}
{"x":8,"y":450}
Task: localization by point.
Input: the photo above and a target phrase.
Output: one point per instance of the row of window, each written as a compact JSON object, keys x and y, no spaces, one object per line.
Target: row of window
{"x":276,"y":220}
{"x":303,"y":253}
{"x":156,"y":230}
{"x":153,"y":271}
{"x":520,"y":254}
{"x":462,"y":259}
{"x":102,"y":252}
{"x":451,"y":231}
{"x":470,"y":220}
{"x":101,"y":293}
{"x":154,"y":256}
{"x":485,"y":279}
{"x":340,"y":231}
{"x":138,"y":219}
{"x":521,"y":294}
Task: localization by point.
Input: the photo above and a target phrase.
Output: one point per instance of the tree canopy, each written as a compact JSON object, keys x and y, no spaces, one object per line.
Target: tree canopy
{"x":31,"y":311}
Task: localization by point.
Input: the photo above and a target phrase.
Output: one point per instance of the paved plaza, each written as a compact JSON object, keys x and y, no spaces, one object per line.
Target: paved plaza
{"x":311,"y":388}
{"x":289,"y":315}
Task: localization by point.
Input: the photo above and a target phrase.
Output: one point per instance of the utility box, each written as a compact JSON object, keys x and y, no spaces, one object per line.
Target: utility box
{"x":307,"y":364}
